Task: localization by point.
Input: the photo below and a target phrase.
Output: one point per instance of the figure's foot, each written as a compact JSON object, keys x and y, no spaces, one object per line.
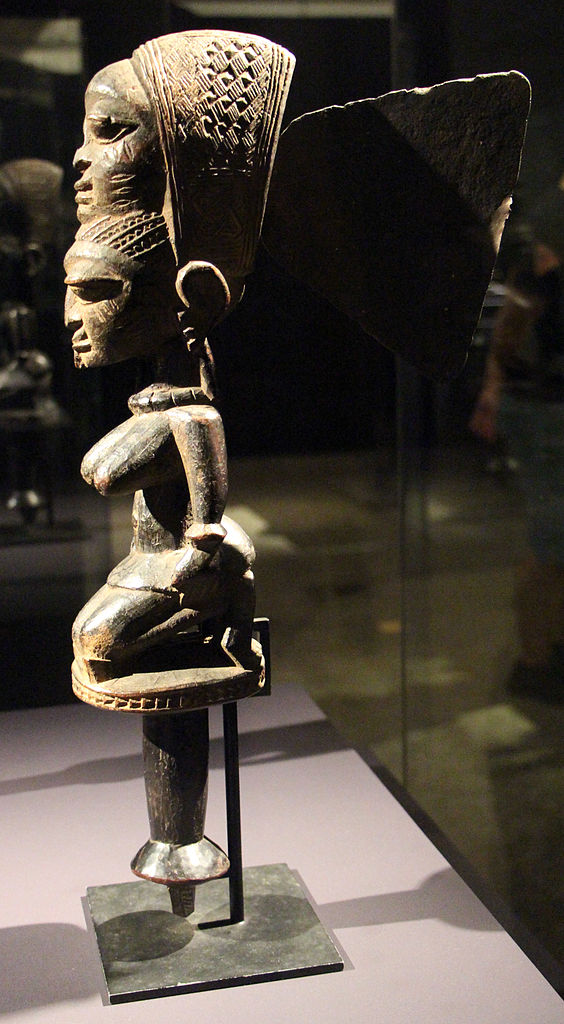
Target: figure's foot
{"x":93,"y":670}
{"x":242,"y":650}
{"x":215,"y":681}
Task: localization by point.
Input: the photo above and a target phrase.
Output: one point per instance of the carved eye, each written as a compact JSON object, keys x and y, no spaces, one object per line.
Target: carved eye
{"x":96,"y":290}
{"x":108,"y":129}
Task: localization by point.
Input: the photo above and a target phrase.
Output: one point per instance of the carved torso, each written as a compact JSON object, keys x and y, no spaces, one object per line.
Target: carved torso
{"x":155,"y":454}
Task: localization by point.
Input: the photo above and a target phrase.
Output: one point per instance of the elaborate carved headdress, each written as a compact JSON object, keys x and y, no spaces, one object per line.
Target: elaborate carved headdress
{"x":219,"y":99}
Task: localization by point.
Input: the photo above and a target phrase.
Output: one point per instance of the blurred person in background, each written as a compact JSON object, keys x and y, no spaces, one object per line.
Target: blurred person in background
{"x":522,"y":398}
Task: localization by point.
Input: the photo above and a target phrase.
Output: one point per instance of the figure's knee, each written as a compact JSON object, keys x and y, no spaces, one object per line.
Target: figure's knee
{"x":93,"y":631}
{"x":117,"y":622}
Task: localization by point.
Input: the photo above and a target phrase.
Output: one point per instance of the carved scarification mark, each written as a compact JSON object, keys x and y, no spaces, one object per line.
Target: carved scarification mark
{"x":232,"y":83}
{"x":132,"y":234}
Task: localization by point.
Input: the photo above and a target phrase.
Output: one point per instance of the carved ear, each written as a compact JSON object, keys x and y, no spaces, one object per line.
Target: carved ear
{"x":205,"y":292}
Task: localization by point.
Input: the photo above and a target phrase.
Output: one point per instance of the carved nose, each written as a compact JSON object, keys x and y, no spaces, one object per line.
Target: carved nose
{"x":81,"y":162}
{"x":73,"y":318}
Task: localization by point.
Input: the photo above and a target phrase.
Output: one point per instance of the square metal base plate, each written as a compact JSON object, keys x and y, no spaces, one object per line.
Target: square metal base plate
{"x":146,"y":951}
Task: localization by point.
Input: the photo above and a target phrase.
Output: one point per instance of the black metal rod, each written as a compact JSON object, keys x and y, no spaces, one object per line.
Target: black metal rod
{"x":233,"y":803}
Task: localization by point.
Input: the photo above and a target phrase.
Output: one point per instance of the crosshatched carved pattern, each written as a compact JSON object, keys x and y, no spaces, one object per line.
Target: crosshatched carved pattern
{"x":233,"y":82}
{"x":218,"y":86}
{"x":219,"y":98}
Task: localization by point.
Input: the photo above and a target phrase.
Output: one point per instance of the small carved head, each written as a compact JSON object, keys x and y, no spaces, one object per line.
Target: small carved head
{"x":121,"y":300}
{"x":120,"y":162}
{"x":186,"y":130}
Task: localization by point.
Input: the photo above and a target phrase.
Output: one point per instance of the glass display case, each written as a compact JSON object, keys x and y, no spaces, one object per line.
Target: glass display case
{"x":387,"y":534}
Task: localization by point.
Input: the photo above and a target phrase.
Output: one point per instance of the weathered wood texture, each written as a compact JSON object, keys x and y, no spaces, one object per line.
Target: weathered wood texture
{"x":177,"y":153}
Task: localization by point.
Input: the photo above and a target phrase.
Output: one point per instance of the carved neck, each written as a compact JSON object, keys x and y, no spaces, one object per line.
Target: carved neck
{"x":186,"y":368}
{"x":174,"y":364}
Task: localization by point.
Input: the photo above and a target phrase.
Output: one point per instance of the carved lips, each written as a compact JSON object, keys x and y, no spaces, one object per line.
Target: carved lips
{"x":83,"y":195}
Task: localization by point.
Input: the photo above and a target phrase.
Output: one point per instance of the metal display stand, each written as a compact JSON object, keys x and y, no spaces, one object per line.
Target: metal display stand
{"x":418,"y":944}
{"x":248,"y":926}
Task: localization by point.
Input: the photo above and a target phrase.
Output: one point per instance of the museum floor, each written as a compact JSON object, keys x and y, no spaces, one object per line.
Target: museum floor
{"x":412,"y":674}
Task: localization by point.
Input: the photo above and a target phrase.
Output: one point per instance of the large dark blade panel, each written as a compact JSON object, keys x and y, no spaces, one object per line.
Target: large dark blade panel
{"x":392,"y":209}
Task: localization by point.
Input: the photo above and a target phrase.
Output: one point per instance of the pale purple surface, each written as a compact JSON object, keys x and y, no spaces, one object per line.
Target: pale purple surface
{"x":418,"y":944}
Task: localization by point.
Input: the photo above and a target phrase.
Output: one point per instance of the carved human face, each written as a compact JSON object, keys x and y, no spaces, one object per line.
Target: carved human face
{"x":118,"y":307}
{"x":120,"y":161}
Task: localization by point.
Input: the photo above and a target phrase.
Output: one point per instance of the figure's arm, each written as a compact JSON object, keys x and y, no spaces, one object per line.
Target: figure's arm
{"x":138,"y":453}
{"x":198,"y":432}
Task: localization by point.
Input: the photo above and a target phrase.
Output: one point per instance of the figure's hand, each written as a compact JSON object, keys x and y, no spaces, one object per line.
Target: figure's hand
{"x":153,"y":398}
{"x":204,"y":540}
{"x":161,"y":397}
{"x":206,"y":536}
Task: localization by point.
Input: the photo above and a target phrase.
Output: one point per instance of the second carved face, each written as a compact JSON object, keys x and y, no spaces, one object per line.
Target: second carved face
{"x":120,"y":161}
{"x":119,"y":306}
{"x":183,"y":132}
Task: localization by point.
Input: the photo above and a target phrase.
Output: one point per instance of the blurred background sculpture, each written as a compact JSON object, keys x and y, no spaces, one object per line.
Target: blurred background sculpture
{"x":30,"y":416}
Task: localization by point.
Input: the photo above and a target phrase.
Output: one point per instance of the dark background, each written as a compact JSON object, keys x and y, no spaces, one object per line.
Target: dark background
{"x":295,"y":375}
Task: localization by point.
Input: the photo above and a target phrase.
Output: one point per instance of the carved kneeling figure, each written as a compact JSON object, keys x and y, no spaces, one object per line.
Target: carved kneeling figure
{"x":189,"y":565}
{"x":174,"y":170}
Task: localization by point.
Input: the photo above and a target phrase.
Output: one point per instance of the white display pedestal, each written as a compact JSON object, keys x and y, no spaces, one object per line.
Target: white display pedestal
{"x":418,"y":944}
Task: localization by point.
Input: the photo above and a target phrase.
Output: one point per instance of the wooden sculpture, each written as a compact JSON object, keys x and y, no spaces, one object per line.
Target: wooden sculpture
{"x":174,"y":170}
{"x":179,"y":144}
